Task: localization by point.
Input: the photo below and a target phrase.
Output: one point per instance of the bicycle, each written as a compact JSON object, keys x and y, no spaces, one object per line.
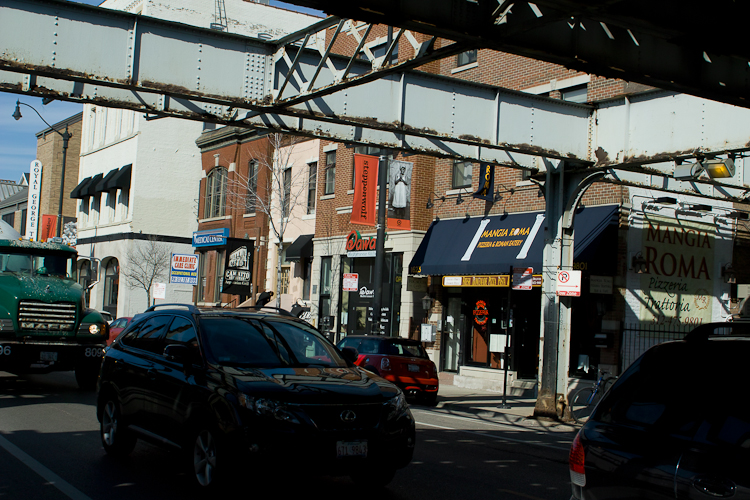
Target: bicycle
{"x":585,"y":400}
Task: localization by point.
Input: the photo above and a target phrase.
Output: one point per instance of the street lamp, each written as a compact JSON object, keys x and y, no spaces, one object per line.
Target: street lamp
{"x":65,"y":137}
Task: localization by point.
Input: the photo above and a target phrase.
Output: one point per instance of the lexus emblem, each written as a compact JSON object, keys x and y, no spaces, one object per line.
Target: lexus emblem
{"x":348,"y":416}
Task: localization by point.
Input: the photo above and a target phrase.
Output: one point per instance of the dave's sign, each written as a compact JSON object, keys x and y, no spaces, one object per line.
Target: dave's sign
{"x":359,"y":246}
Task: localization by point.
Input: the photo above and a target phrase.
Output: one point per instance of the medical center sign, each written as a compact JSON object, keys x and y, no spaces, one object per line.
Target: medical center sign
{"x":675,"y":287}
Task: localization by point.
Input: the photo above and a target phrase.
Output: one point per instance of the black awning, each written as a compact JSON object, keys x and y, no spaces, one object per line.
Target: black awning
{"x":102,"y":184}
{"x":121,"y":180}
{"x":90,"y":188}
{"x":76,"y":193}
{"x":302,"y":248}
{"x":495,"y":244}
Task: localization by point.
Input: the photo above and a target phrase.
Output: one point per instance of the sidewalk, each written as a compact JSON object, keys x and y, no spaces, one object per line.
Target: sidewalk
{"x":487,"y":405}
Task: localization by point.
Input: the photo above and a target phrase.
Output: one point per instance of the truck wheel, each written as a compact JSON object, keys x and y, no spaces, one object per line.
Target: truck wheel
{"x":86,"y":376}
{"x":117,"y":441}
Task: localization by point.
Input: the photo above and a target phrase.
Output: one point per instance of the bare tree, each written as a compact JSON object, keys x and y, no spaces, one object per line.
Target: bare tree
{"x":273,"y":186}
{"x":148,"y":261}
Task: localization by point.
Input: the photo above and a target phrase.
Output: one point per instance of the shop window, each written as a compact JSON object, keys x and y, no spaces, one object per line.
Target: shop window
{"x":219,"y":276}
{"x":467,"y":57}
{"x":312,"y":187}
{"x":216,"y":193}
{"x":330,"y":185}
{"x":325,"y":293}
{"x":251,"y":201}
{"x":306,"y":279}
{"x":201,"y":292}
{"x":462,"y":174}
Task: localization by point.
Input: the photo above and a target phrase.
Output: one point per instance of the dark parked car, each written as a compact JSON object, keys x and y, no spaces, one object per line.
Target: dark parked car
{"x":226,"y":387}
{"x":401,"y":361}
{"x":674,"y":425}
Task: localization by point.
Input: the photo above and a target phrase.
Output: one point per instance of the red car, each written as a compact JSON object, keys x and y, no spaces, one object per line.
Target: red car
{"x":117,"y":326}
{"x":401,"y":361}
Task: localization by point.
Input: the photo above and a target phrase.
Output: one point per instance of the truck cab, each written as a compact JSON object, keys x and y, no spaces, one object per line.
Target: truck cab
{"x":45,"y":325}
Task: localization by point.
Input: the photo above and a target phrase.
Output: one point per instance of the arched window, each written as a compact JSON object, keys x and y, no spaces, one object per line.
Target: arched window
{"x":216,"y":193}
{"x":111,"y":286}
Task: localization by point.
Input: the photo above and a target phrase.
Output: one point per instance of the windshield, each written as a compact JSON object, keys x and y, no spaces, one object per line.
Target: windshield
{"x":266,"y":343}
{"x":57,"y":265}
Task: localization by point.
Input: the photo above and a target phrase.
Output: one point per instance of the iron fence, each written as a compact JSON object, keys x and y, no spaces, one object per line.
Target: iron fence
{"x":639,"y":337}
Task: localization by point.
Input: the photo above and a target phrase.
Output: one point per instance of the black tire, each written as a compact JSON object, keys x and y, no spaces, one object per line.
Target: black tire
{"x":375,"y":479}
{"x":430,"y":398}
{"x":116,"y":439}
{"x":205,"y":458}
{"x":582,"y":404}
{"x":87,"y":376}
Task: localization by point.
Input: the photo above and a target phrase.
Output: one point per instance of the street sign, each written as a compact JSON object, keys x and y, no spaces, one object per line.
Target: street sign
{"x":523,"y":278}
{"x":159,"y":291}
{"x":184,"y":269}
{"x":569,"y":283}
{"x":351,"y":282}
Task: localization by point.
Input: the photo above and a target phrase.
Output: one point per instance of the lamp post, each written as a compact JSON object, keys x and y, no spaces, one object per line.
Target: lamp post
{"x":65,"y":137}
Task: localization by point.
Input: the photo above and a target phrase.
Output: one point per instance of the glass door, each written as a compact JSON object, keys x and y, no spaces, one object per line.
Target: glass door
{"x":452,"y":334}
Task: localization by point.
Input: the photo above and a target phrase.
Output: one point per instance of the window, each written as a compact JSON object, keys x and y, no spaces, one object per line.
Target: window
{"x":307,"y":280}
{"x":462,"y":174}
{"x":312,"y":187}
{"x":111,"y":286}
{"x":252,"y":187}
{"x":9,"y":218}
{"x":150,"y":336}
{"x":216,"y":193}
{"x":468,"y":57}
{"x":287,"y":192}
{"x":578,"y":93}
{"x":325,"y":294}
{"x":284,"y":283}
{"x":330,"y":172}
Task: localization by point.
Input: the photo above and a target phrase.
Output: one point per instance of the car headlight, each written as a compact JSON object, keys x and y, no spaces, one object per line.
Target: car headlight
{"x":397,"y":406}
{"x":95,"y":329}
{"x":268,"y":408}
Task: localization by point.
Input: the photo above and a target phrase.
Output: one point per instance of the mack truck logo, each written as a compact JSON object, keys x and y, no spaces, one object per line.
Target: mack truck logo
{"x":41,"y":326}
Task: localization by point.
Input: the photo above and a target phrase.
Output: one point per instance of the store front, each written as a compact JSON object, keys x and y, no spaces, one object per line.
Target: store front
{"x":489,"y":273}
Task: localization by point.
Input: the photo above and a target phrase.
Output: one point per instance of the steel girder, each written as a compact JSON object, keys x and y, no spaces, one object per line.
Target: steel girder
{"x":172,"y":69}
{"x":692,"y":47}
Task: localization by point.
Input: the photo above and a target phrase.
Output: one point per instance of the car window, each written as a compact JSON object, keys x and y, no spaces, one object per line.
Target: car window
{"x":349,"y":342}
{"x":150,"y":335}
{"x":402,"y":348}
{"x":656,"y":390}
{"x":369,"y":346}
{"x":118,"y":323}
{"x":307,"y":346}
{"x":181,"y":331}
{"x":238,"y":342}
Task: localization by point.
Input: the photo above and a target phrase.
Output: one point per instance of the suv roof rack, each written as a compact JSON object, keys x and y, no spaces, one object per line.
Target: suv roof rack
{"x":729,"y":329}
{"x":190,"y":307}
{"x":279,"y":310}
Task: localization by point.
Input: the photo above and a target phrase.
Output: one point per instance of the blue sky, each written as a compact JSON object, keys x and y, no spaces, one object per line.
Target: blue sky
{"x":18,"y":138}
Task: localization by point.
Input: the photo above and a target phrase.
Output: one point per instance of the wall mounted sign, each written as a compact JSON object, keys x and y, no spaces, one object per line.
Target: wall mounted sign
{"x":523,"y":278}
{"x":365,"y":185}
{"x":359,"y":246}
{"x":399,"y":194}
{"x":184,"y":269}
{"x":211,"y":237}
{"x":32,"y":215}
{"x":238,"y":274}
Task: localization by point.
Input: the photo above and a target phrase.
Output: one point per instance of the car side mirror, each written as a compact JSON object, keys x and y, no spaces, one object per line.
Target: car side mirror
{"x":350,"y":354}
{"x":179,"y":353}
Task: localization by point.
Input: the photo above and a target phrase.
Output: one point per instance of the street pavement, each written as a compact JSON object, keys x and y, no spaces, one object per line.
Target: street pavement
{"x":488,"y":406}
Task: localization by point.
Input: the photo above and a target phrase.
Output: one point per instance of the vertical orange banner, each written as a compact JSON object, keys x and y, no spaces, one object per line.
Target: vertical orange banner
{"x":49,"y":227}
{"x":365,"y":189}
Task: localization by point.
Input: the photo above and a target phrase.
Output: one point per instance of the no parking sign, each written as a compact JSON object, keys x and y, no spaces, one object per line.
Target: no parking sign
{"x":569,"y":283}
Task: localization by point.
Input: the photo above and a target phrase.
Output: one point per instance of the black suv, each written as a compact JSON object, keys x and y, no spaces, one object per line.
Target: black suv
{"x":229,"y":386}
{"x":674,"y":425}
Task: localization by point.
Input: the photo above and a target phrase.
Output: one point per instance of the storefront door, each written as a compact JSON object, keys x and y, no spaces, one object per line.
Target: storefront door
{"x":453,"y":333}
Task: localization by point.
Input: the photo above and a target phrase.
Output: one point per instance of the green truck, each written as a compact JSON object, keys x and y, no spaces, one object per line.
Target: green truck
{"x":45,"y":325}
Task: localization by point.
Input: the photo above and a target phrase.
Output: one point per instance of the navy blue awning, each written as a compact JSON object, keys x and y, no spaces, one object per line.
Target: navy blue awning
{"x":76,"y":193}
{"x":302,"y":248}
{"x":494,"y":244}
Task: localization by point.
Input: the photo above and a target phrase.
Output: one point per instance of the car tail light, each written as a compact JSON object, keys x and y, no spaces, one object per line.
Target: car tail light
{"x":576,"y":462}
{"x":385,"y":364}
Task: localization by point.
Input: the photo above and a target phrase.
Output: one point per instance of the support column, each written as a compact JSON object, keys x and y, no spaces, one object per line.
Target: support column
{"x":563,"y":191}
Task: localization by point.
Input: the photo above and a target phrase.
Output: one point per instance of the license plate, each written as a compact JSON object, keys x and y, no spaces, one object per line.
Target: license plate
{"x":413,"y":368}
{"x":47,"y":356}
{"x":351,"y":449}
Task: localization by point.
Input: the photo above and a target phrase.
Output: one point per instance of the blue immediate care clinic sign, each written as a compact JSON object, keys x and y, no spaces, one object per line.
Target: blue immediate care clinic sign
{"x":210,"y":237}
